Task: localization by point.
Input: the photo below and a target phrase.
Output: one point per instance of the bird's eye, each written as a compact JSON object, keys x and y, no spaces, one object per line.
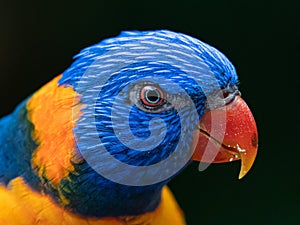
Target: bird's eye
{"x":152,"y":96}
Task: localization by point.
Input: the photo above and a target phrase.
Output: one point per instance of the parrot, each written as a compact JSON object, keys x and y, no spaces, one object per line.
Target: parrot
{"x":99,"y":143}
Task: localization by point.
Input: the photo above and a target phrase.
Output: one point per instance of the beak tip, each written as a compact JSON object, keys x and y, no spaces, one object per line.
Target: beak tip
{"x":242,"y":174}
{"x":247,"y":162}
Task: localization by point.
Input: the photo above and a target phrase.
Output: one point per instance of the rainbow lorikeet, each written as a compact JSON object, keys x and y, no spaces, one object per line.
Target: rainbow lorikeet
{"x":99,"y":143}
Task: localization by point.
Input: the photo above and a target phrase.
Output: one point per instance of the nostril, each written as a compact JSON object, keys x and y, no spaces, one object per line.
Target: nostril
{"x":225,"y":94}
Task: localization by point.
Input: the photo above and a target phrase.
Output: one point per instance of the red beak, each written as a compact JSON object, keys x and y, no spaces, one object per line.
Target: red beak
{"x":235,"y":125}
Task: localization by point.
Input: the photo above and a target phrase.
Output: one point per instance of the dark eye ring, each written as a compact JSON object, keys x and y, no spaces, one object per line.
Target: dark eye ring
{"x":152,"y":96}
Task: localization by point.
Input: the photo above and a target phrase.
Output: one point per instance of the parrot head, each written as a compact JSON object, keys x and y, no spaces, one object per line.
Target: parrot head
{"x":147,"y":104}
{"x":153,"y":93}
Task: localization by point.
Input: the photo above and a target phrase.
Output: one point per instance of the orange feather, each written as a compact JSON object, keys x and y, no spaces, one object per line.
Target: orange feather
{"x":50,"y":108}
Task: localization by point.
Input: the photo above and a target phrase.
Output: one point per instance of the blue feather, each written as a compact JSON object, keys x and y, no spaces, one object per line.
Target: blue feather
{"x":17,"y":147}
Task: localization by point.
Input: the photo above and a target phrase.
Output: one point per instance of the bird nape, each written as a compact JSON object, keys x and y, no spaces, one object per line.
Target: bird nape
{"x":99,"y":143}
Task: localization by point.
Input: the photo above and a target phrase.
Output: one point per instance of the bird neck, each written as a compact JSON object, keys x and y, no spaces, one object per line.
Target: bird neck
{"x":89,"y":194}
{"x":82,"y":191}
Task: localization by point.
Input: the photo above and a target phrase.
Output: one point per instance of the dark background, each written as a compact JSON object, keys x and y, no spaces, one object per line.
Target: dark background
{"x":38,"y":40}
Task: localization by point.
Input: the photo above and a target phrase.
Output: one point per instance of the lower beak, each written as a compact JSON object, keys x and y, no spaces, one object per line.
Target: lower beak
{"x":227,"y":134}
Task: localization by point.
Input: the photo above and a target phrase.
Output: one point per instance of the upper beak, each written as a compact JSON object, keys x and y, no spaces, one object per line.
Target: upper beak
{"x":226,"y":134}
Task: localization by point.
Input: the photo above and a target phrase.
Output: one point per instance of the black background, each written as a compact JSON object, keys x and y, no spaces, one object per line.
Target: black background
{"x":261,"y":38}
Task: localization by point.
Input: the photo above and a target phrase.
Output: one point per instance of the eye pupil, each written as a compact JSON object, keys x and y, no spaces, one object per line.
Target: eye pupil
{"x":151,"y":96}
